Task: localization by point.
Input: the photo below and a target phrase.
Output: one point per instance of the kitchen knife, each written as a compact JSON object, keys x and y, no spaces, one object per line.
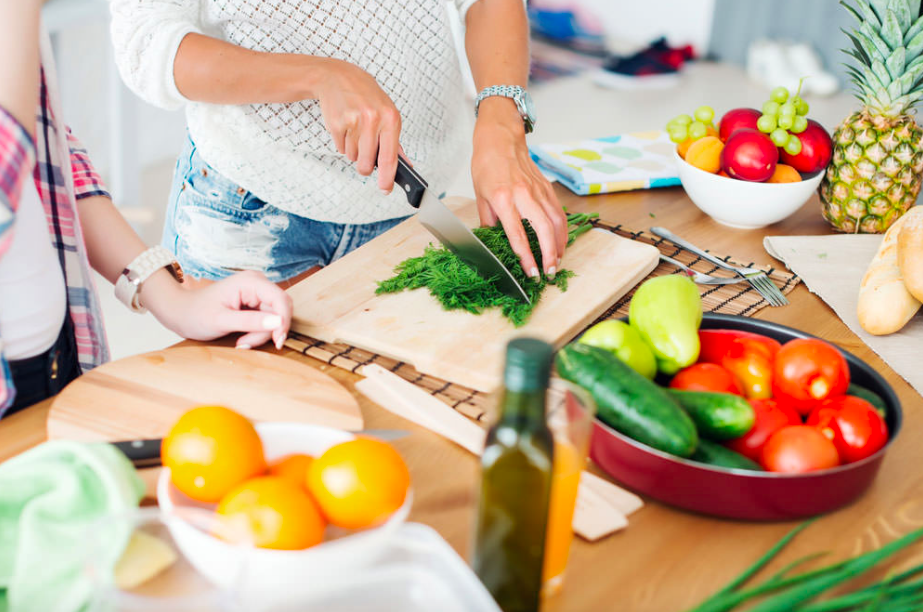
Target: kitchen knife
{"x":455,"y":235}
{"x":146,"y":453}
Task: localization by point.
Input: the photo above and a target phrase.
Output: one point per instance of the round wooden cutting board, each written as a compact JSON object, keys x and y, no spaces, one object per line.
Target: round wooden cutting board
{"x":142,"y":396}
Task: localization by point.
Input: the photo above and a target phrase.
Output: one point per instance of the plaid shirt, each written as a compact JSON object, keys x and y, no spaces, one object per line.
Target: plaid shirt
{"x":63,"y":174}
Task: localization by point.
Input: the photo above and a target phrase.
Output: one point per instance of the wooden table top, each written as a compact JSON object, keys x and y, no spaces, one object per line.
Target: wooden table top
{"x":667,"y":559}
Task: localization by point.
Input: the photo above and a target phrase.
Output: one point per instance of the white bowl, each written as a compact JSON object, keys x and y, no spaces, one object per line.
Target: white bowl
{"x":743,"y":204}
{"x":278,"y":573}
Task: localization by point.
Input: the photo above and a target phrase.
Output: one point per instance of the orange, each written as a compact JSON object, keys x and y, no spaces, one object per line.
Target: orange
{"x":359,"y":483}
{"x":784,"y":174}
{"x":683,"y":147}
{"x":705,"y":153}
{"x":293,"y":467}
{"x":277,"y":513}
{"x":210,"y":450}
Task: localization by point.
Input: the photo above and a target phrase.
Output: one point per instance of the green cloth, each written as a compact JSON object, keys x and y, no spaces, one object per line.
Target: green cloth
{"x":51,"y":497}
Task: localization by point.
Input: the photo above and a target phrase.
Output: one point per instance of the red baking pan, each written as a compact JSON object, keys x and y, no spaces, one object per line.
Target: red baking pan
{"x":744,"y":494}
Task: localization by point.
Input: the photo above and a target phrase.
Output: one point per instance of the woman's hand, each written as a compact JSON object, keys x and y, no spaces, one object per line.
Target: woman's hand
{"x":361,"y":118}
{"x":245,"y":302}
{"x":509,"y":187}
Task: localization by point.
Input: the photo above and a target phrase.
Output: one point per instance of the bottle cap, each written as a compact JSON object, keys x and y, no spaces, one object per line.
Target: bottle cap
{"x":528,"y":364}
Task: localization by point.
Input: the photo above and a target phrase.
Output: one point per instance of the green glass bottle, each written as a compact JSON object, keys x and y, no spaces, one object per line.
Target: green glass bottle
{"x":516,"y":470}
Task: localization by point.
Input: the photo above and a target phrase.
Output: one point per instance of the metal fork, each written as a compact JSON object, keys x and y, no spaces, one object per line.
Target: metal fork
{"x":700,"y":277}
{"x":757,"y":278}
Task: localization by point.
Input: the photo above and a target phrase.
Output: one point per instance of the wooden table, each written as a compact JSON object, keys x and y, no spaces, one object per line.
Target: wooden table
{"x":666,"y":560}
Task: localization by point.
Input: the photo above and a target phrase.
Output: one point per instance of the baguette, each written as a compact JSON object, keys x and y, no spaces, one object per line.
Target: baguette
{"x":885,"y":304}
{"x":910,"y":252}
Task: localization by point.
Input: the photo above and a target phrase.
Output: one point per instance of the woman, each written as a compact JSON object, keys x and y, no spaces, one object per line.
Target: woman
{"x":56,"y":220}
{"x":291,"y":104}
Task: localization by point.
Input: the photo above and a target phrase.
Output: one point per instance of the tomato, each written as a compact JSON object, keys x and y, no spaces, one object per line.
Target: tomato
{"x":852,"y":424}
{"x":808,"y":371}
{"x":749,"y":357}
{"x":770,"y":418}
{"x":706,"y":377}
{"x":715,"y":344}
{"x":797,"y":449}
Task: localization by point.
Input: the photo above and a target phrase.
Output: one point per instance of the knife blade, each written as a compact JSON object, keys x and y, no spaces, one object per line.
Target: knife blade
{"x":455,"y":235}
{"x":145,"y":453}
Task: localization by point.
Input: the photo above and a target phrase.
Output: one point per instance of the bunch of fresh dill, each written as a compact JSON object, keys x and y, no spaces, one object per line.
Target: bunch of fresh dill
{"x":458,"y":287}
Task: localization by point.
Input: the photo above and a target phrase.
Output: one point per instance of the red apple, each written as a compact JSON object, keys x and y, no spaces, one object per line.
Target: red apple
{"x":736,"y":119}
{"x":749,"y":155}
{"x":816,"y":150}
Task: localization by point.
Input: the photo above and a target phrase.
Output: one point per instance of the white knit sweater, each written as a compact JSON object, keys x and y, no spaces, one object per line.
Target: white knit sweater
{"x":281,"y":152}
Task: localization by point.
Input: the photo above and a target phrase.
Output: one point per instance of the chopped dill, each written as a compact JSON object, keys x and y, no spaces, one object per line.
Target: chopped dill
{"x":458,"y":287}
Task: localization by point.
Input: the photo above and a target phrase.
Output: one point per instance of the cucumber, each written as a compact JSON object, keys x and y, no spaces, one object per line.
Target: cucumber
{"x":717,"y":416}
{"x":870,"y":396}
{"x":719,"y":456}
{"x":627,"y":401}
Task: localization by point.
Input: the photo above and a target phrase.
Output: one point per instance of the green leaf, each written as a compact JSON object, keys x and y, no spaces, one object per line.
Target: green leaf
{"x":868,"y":14}
{"x":915,"y":29}
{"x":891,"y":31}
{"x":879,"y":6}
{"x":914,"y":7}
{"x":879,"y":70}
{"x":901,"y":13}
{"x":858,"y":52}
{"x":915,"y":47}
{"x":895,"y":63}
{"x":879,"y":48}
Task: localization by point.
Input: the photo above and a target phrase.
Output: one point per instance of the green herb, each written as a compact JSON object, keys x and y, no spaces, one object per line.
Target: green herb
{"x":794,"y":593}
{"x":822,"y":256}
{"x":458,"y":287}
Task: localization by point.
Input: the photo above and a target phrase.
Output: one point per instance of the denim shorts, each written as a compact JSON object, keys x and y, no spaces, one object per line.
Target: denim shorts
{"x":216,"y":228}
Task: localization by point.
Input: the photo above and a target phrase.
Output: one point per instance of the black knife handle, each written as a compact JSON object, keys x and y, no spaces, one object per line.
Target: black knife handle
{"x":410,"y":182}
{"x":142,"y":453}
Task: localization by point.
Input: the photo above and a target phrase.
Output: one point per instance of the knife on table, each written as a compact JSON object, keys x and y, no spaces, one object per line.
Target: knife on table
{"x":146,"y":453}
{"x":451,"y":232}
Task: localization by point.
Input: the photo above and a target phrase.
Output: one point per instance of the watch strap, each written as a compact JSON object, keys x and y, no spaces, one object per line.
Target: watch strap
{"x":515,"y":93}
{"x":128,"y":285}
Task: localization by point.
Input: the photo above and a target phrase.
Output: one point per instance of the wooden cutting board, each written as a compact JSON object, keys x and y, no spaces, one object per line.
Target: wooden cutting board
{"x":142,"y":396}
{"x":338,"y":304}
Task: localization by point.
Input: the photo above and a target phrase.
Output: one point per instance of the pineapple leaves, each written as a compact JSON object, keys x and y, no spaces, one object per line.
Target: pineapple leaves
{"x":868,"y":14}
{"x":880,"y":7}
{"x":915,"y":29}
{"x":895,"y":63}
{"x":891,"y":32}
{"x":915,"y":46}
{"x":879,"y":48}
{"x":859,"y":53}
{"x":878,"y":68}
{"x":902,"y":14}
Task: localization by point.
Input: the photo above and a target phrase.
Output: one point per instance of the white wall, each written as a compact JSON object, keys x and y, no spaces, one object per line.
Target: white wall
{"x":631,"y":24}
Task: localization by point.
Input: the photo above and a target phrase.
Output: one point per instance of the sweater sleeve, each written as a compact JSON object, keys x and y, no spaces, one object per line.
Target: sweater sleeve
{"x":17,"y":160}
{"x":146,"y":35}
{"x":463,"y":6}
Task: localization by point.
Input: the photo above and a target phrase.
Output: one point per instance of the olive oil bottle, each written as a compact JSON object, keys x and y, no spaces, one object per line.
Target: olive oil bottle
{"x":516,"y":470}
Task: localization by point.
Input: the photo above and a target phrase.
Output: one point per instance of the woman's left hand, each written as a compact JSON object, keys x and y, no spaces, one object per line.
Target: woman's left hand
{"x":509,"y":187}
{"x":245,"y":302}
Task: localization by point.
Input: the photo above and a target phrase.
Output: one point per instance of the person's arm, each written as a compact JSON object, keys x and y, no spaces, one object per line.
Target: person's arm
{"x":508,"y":185}
{"x":19,"y":73}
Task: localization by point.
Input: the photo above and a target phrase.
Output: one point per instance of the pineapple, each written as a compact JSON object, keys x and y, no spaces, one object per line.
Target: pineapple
{"x":875,"y":173}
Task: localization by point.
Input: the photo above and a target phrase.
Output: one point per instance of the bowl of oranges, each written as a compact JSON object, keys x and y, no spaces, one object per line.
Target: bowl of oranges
{"x":307,"y":503}
{"x":755,"y":167}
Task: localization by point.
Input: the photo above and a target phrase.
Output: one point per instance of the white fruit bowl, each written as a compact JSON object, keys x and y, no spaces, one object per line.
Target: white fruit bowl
{"x":743,"y":204}
{"x":263,"y":573}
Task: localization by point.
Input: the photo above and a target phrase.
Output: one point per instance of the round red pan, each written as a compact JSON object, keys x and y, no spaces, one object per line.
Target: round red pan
{"x":744,"y":494}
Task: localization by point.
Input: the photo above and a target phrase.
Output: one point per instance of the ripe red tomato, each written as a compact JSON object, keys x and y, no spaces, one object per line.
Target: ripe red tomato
{"x":736,"y":119}
{"x":798,"y":449}
{"x":770,"y":418}
{"x":852,"y":424}
{"x":706,"y":377}
{"x":749,"y":155}
{"x":808,"y":371}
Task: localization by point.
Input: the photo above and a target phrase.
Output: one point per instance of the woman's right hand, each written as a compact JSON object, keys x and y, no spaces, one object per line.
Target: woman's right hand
{"x":361,"y":118}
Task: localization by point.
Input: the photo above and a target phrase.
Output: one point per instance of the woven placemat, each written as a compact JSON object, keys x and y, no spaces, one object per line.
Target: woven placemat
{"x":737,"y":299}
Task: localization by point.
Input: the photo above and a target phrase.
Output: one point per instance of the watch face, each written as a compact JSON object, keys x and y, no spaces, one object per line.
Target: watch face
{"x":530,"y":108}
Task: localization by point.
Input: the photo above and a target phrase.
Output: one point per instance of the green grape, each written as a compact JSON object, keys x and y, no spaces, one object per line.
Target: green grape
{"x":766,"y":123}
{"x":678,"y":133}
{"x":785,"y":122}
{"x":799,"y":124}
{"x":801,"y":107}
{"x":681,"y":120}
{"x":696,"y":130}
{"x":779,"y":137}
{"x":787,"y":109}
{"x":705,"y":114}
{"x":779,"y":94}
{"x":771,"y":108}
{"x":793,"y":146}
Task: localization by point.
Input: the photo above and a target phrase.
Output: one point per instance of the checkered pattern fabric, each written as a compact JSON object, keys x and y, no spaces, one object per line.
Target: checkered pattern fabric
{"x":282,"y":152}
{"x":62,"y":172}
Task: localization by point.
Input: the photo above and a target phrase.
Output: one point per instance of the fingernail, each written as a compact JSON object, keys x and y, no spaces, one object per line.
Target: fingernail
{"x":386,"y":191}
{"x":272,"y":322}
{"x":280,"y":342}
{"x":551,"y":272}
{"x":559,"y":262}
{"x":533,"y":273}
{"x":244,"y":346}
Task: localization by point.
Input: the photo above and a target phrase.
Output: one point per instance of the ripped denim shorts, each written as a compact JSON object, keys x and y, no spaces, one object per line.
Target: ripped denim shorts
{"x":216,"y":228}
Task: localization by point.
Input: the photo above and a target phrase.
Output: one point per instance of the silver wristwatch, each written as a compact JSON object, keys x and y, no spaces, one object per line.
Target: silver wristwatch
{"x":128,"y":285}
{"x":518,"y":94}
